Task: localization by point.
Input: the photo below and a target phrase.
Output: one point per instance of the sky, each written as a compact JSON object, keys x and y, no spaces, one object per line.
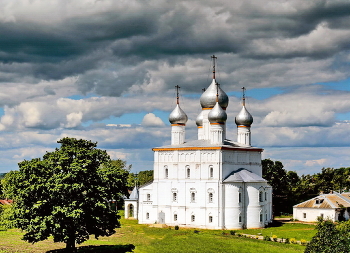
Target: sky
{"x":106,"y":71}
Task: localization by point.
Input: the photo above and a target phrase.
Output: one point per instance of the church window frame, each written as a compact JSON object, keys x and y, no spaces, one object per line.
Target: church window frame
{"x":240,"y":218}
{"x":147,"y":216}
{"x":166,"y":172}
{"x":211,"y":197}
{"x":304,"y":215}
{"x":175,"y":216}
{"x":239,"y":197}
{"x":260,"y":196}
{"x":193,"y":197}
{"x":188,"y":172}
{"x":210,"y":219}
{"x":261,"y":217}
{"x":211,"y":171}
{"x":174,"y":196}
{"x":265,"y":196}
{"x":148,"y":197}
{"x":193,"y":218}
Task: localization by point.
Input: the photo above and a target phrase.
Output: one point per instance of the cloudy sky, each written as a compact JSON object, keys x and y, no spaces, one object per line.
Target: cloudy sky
{"x":105,"y":71}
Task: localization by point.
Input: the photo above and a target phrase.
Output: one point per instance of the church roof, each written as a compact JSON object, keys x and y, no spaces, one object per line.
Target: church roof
{"x":331,"y":200}
{"x":134,"y":194}
{"x":243,"y":175}
{"x":206,"y":144}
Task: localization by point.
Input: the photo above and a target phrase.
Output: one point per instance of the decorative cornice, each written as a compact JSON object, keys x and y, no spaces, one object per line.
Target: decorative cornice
{"x":209,"y":148}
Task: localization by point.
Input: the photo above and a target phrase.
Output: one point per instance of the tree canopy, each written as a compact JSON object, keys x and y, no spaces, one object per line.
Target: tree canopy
{"x":67,"y":193}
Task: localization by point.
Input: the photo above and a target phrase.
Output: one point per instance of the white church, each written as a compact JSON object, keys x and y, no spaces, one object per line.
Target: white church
{"x":211,"y":182}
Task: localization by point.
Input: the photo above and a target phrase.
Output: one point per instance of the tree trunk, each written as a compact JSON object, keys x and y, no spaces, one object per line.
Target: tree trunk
{"x":70,"y":244}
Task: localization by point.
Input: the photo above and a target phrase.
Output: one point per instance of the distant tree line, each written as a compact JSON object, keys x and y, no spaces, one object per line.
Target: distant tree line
{"x":290,"y":189}
{"x":139,"y":179}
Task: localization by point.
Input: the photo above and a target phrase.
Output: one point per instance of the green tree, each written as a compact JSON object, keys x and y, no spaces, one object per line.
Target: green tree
{"x":330,"y":238}
{"x":277,"y":177}
{"x":66,"y":193}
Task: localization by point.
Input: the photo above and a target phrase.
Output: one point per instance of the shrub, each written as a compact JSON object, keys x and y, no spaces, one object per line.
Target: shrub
{"x":239,"y":235}
{"x":274,"y":238}
{"x":267,"y":238}
{"x":293,"y":241}
{"x":232,"y":232}
{"x":176,"y":227}
{"x":196,"y":231}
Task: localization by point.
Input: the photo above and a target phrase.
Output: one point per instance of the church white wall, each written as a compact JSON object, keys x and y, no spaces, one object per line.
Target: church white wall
{"x":311,"y":214}
{"x":250,"y":160}
{"x":171,"y":176}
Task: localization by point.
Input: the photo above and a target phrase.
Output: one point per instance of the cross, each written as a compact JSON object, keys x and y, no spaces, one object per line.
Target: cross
{"x":243,"y":91}
{"x":214,"y":58}
{"x":177,"y":94}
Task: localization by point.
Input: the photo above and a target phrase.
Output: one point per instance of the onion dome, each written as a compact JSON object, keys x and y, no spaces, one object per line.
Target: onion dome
{"x":217,"y":114}
{"x":199,"y":119}
{"x":208,"y":98}
{"x":178,"y":116}
{"x":244,"y":118}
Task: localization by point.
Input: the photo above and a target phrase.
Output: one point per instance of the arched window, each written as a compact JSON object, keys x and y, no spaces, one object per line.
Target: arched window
{"x":166,"y":172}
{"x":239,"y":197}
{"x":148,"y":197}
{"x":193,"y":197}
{"x":147,"y":216}
{"x":210,"y":197}
{"x":188,"y":172}
{"x":211,"y":172}
{"x":260,"y":196}
{"x":193,"y":218}
{"x":174,"y":196}
{"x":175,"y":216}
{"x":210,"y":219}
{"x":240,"y":218}
{"x":265,"y":196}
{"x":261,"y":217}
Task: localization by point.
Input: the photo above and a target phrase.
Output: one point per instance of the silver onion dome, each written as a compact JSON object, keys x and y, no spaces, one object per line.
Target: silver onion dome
{"x":199,"y":119}
{"x":208,"y":98}
{"x":178,"y":116}
{"x":217,"y":114}
{"x":244,"y":118}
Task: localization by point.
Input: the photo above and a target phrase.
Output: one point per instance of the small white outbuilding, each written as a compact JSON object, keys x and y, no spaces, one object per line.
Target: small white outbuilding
{"x":333,"y":206}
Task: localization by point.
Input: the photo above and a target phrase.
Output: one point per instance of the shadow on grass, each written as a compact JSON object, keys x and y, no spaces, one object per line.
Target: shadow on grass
{"x":99,"y":249}
{"x":275,"y":224}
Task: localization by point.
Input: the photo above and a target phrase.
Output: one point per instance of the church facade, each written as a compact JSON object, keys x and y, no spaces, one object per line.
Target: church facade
{"x":211,"y":182}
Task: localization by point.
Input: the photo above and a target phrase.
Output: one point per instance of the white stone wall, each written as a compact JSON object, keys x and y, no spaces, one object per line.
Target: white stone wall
{"x":313,"y":213}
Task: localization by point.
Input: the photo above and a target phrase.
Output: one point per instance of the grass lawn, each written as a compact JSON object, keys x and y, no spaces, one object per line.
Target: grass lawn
{"x":288,"y":230}
{"x":147,"y":239}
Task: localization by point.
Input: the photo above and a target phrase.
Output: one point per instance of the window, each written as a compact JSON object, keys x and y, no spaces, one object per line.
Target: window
{"x":260,"y":197}
{"x":261,"y":217}
{"x":210,"y":197}
{"x":193,"y":218}
{"x":148,"y":197}
{"x":193,"y":197}
{"x":304,"y":215}
{"x":166,"y":172}
{"x":188,"y":172}
{"x":175,"y":217}
{"x":265,"y":195}
{"x":147,"y":216}
{"x":240,"y":197}
{"x":210,"y":219}
{"x":240,"y":219}
{"x":174,"y":196}
{"x":211,"y":172}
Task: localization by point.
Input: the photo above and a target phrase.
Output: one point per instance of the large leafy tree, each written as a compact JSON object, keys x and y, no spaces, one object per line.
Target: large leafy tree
{"x":66,"y":194}
{"x":330,"y":238}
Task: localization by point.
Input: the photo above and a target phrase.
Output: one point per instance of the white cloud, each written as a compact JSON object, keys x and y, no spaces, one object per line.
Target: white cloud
{"x":151,"y":120}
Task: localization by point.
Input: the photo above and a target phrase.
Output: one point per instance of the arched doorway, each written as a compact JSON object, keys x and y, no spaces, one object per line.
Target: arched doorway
{"x":131,"y":211}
